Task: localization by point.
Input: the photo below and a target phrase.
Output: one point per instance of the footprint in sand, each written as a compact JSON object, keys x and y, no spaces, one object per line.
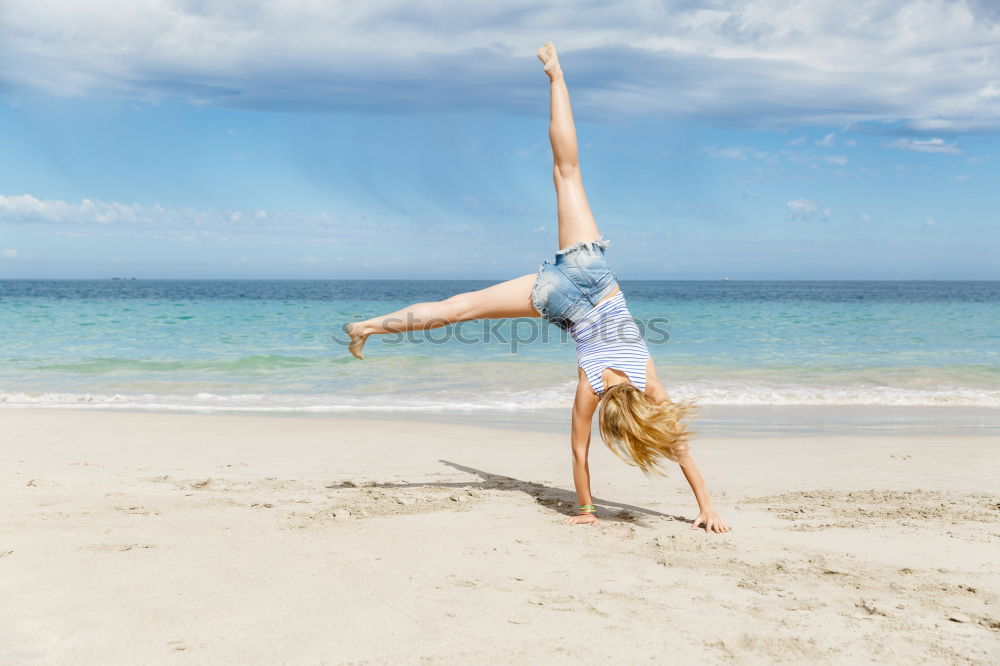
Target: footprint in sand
{"x":137,"y":510}
{"x":42,"y":483}
{"x":117,"y":547}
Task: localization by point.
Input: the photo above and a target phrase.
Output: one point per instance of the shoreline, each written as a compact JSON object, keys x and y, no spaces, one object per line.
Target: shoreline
{"x":713,"y":420}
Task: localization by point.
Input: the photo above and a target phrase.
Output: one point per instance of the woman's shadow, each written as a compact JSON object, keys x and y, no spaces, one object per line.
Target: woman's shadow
{"x":556,"y":499}
{"x":563,"y":501}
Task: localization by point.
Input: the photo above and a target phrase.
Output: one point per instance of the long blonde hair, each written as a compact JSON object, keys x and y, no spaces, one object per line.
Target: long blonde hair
{"x":642,"y":432}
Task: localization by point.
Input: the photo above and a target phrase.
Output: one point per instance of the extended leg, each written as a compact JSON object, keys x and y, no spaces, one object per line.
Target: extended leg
{"x":507,"y":299}
{"x":576,"y":222}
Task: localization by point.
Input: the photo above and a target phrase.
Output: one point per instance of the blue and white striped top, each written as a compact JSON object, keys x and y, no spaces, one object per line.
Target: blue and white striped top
{"x":607,"y":337}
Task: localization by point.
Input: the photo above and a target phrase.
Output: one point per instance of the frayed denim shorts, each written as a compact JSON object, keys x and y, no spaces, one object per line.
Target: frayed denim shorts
{"x":578,"y":279}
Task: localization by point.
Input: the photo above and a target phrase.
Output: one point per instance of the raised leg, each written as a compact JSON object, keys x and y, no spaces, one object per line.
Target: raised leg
{"x":576,"y":221}
{"x":507,"y":299}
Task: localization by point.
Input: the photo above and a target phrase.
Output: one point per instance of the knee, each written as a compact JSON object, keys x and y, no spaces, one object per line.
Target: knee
{"x":460,"y":307}
{"x":565,"y":171}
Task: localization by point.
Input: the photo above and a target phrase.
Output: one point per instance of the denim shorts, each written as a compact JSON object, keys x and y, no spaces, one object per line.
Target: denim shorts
{"x":575,"y":282}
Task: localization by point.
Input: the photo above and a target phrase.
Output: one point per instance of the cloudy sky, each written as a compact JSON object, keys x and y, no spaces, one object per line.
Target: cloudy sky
{"x":757,"y":139}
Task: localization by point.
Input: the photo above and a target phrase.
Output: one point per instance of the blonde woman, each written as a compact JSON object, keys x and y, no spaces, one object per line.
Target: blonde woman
{"x":579,"y":293}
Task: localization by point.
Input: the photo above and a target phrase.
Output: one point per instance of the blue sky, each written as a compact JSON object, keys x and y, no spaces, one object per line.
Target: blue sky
{"x":759,"y":139}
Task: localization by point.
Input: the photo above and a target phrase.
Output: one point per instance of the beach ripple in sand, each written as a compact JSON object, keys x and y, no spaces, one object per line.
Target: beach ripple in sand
{"x":823,"y":509}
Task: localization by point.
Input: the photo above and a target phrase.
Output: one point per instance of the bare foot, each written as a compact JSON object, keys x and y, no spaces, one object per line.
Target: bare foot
{"x":357,"y":341}
{"x":547,"y":54}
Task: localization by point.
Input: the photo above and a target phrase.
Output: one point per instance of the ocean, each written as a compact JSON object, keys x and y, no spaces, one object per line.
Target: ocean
{"x":274,"y":346}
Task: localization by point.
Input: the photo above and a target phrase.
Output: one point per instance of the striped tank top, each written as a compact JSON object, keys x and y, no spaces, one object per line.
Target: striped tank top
{"x":607,"y":337}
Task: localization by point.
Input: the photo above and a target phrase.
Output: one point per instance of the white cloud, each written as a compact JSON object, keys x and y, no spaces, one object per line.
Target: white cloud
{"x":799,"y":157}
{"x":990,"y":91}
{"x":926,"y":146}
{"x":187,"y":224}
{"x":929,"y":63}
{"x":10,"y":253}
{"x":806,"y":209}
{"x":26,"y":207}
{"x":827,"y":140}
{"x":738,"y":153}
{"x":799,"y":206}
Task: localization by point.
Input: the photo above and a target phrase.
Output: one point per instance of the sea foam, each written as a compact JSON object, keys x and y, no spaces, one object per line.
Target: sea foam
{"x":554,"y":397}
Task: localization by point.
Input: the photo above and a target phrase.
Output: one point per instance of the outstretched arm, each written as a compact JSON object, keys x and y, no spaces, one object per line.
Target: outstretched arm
{"x":707,"y":516}
{"x":583,"y":417}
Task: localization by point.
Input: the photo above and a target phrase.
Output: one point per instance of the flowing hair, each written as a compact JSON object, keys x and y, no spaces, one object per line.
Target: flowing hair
{"x":642,"y":432}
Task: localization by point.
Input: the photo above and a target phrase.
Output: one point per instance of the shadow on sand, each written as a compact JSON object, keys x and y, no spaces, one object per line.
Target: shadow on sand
{"x":556,"y":499}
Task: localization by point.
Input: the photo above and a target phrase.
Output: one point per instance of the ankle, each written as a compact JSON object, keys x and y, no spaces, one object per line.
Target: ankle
{"x":358,"y":328}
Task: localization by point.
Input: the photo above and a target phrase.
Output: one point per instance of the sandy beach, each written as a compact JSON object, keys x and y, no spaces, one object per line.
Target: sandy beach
{"x":185,"y":538}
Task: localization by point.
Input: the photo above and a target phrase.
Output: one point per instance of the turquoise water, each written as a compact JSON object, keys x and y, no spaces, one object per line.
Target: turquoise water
{"x":266,"y":346}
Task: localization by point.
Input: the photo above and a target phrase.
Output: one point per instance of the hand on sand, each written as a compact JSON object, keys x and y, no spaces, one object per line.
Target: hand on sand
{"x":712,"y":521}
{"x":582,"y":519}
{"x":547,"y":54}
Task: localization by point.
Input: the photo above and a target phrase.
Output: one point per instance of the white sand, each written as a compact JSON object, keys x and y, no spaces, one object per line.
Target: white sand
{"x":189,"y":539}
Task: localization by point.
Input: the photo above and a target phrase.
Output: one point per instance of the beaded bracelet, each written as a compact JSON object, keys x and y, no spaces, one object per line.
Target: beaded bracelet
{"x":588,"y":508}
